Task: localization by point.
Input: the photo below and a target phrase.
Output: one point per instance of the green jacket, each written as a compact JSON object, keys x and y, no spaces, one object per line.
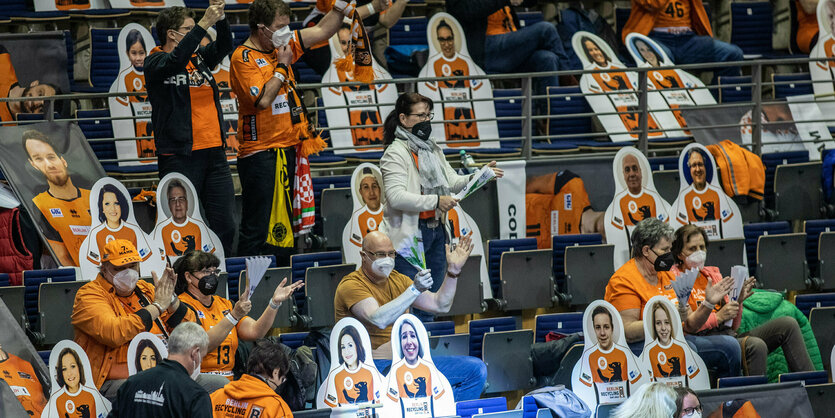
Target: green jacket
{"x":764,"y":306}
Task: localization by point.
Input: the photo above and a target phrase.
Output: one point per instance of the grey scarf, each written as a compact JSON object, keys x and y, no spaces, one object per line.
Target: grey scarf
{"x":432,"y":177}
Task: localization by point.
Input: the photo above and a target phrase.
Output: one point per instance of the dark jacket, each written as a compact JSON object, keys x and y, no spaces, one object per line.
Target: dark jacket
{"x":163,"y":391}
{"x":472,"y":14}
{"x":167,"y":82}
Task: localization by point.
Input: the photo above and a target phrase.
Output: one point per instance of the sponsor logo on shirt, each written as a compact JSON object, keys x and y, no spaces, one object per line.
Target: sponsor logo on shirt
{"x":261,"y":62}
{"x":93,"y":255}
{"x":280,"y":105}
{"x":56,"y":212}
{"x":24,"y":375}
{"x":567,"y":201}
{"x":80,"y":230}
{"x":254,"y":90}
{"x":142,"y":252}
{"x":633,"y":374}
{"x":20,"y":391}
{"x":154,"y":398}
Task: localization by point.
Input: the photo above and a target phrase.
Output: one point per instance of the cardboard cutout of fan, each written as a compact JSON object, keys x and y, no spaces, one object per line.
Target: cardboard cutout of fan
{"x":74,"y":391}
{"x":608,"y":372}
{"x":635,"y":199}
{"x":415,"y":386}
{"x":366,"y":103}
{"x":448,"y":56}
{"x":367,"y":210}
{"x":666,"y":357}
{"x":180,"y":227}
{"x":823,"y":72}
{"x":145,"y":351}
{"x":113,"y":218}
{"x":701,"y":199}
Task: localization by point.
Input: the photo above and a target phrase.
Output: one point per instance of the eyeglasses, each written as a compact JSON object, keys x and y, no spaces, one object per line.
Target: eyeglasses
{"x":424,"y":116}
{"x":382,"y":254}
{"x":690,"y":411}
{"x":208,"y":271}
{"x":176,"y":200}
{"x":447,"y":39}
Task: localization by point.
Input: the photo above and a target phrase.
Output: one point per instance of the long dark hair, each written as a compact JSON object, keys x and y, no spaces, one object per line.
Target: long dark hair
{"x":583,"y":41}
{"x":352,"y":332}
{"x":133,"y":37}
{"x":120,"y":198}
{"x":400,"y":332}
{"x":403,"y":105}
{"x":143,"y":344}
{"x":59,"y":372}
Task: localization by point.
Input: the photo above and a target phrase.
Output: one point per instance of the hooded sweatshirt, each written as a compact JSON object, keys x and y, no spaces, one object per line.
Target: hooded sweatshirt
{"x":248,"y":397}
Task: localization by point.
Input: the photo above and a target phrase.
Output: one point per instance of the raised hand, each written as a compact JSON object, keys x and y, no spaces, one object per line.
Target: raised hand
{"x":242,"y":306}
{"x":423,"y":280}
{"x":283,"y":292}
{"x":164,"y":287}
{"x":213,"y":14}
{"x":747,"y":289}
{"x":457,"y":256}
{"x":715,"y":293}
{"x":497,"y":171}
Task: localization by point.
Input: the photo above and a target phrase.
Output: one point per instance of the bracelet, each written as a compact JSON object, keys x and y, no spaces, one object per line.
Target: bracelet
{"x":452,"y":276}
{"x":273,"y":305}
{"x":158,"y":306}
{"x":370,"y":7}
{"x":231,"y":319}
{"x":414,"y":290}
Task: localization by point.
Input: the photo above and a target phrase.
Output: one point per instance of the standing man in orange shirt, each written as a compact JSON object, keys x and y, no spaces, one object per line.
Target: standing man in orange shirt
{"x":187,"y":119}
{"x":261,"y":78}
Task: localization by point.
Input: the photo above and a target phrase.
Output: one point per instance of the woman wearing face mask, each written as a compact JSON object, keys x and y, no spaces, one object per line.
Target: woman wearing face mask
{"x":648,"y":274}
{"x":266,"y":370}
{"x":197,"y":283}
{"x":73,"y":396}
{"x":689,"y":250}
{"x":418,"y":183}
{"x":353,"y":382}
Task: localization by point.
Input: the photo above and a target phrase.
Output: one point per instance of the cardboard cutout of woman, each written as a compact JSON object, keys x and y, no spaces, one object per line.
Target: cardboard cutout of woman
{"x":146,"y":350}
{"x":134,"y":44}
{"x":73,"y":389}
{"x":701,"y":199}
{"x":180,"y":227}
{"x":616,"y":91}
{"x":823,"y":72}
{"x":367,"y":103}
{"x":367,"y":212}
{"x":608,"y":372}
{"x":666,"y":357}
{"x":353,"y":379}
{"x":635,"y":200}
{"x":112,"y":213}
{"x":415,"y":386}
{"x":449,"y":57}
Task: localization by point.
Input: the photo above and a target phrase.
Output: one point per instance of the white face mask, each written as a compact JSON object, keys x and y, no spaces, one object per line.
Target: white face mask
{"x":383,"y":266}
{"x":696,"y":414}
{"x":125,"y":280}
{"x":196,"y":371}
{"x":281,"y":37}
{"x":697,"y":260}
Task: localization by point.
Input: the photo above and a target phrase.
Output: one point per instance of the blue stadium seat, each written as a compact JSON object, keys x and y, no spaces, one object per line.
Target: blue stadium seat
{"x":239,"y":34}
{"x":299,"y":264}
{"x":234,"y":266}
{"x":32,"y":280}
{"x":495,"y":248}
{"x":563,"y":323}
{"x":325,"y":182}
{"x":409,"y":31}
{"x":739,"y":381}
{"x":478,"y":327}
{"x":817,"y":377}
{"x":786,"y":85}
{"x":734,"y":89}
{"x":44,"y":354}
{"x":771,"y":161}
{"x":529,"y":18}
{"x":751,"y":26}
{"x":529,"y":407}
{"x":564,"y":105}
{"x":508,"y":104}
{"x":663,"y":163}
{"x":806,"y":302}
{"x":813,"y":229}
{"x":466,"y":409}
{"x":753,"y":231}
{"x":293,"y":340}
{"x":96,"y":125}
{"x":558,"y":244}
{"x":104,"y":58}
{"x":4,"y":279}
{"x":439,"y":328}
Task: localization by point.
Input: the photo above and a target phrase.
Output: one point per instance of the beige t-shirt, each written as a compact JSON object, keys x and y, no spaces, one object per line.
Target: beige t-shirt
{"x":356,"y":287}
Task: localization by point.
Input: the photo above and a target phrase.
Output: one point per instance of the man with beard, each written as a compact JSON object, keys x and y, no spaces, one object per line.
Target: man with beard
{"x":64,"y":206}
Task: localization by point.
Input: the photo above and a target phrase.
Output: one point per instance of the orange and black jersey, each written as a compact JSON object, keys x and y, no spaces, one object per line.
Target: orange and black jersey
{"x":184,"y":95}
{"x":22,"y":380}
{"x":68,"y":220}
{"x":8,"y":80}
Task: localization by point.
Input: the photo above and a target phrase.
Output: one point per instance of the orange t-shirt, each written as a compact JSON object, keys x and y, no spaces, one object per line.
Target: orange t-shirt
{"x":351,"y":387}
{"x":179,"y":239}
{"x":807,"y":28}
{"x":415,"y":382}
{"x":269,"y":128}
{"x":8,"y":79}
{"x":72,"y":4}
{"x":119,"y":370}
{"x":459,"y":105}
{"x":70,"y":218}
{"x":668,"y":362}
{"x":600,"y":362}
{"x":636,"y":209}
{"x":106,"y":235}
{"x":362,"y":110}
{"x":366,"y":221}
{"x":21,"y":378}
{"x":675,"y":14}
{"x":71,"y":405}
{"x":500,"y":22}
{"x":222,"y":359}
{"x":620,"y":82}
{"x":627,"y":288}
{"x":702,"y":206}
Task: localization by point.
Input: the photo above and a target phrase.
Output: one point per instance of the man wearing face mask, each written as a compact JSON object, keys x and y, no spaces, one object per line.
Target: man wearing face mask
{"x":166,"y":390}
{"x":189,"y":130}
{"x":112,"y":309}
{"x":647,"y":274}
{"x":255,"y":393}
{"x":376,"y":295}
{"x":197,"y":282}
{"x":418,"y":183}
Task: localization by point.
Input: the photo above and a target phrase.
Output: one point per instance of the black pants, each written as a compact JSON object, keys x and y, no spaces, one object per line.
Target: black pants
{"x":208,"y":171}
{"x":258,"y":182}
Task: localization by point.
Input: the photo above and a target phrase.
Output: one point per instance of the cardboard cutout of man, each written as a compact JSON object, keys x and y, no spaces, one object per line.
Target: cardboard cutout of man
{"x":145,"y":351}
{"x":635,"y":200}
{"x":677,"y":88}
{"x":367,"y":103}
{"x":701,"y":200}
{"x":114,"y":219}
{"x":608,"y":372}
{"x":368,"y":197}
{"x":180,"y":227}
{"x":353,"y":379}
{"x":449,"y":57}
{"x":616,"y":92}
{"x":73,"y":389}
{"x":415,"y":386}
{"x":666,"y":357}
{"x":23,"y":381}
{"x":133,"y":45}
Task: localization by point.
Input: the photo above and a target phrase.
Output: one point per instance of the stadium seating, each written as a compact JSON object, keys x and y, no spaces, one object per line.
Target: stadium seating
{"x":806,"y":302}
{"x":808,"y":378}
{"x":508,"y":104}
{"x":826,"y":253}
{"x":751,"y":22}
{"x":466,"y":409}
{"x":104,"y":58}
{"x":734,"y":89}
{"x":13,"y":298}
{"x":478,"y":327}
{"x":813,"y":229}
{"x":293,"y":340}
{"x":438,"y":328}
{"x":822,"y":321}
{"x":566,"y":130}
{"x":562,"y":323}
{"x":495,"y":248}
{"x":299,"y":263}
{"x":786,"y":85}
{"x":529,"y":18}
{"x":531,"y":290}
{"x":753,"y":231}
{"x":558,"y":244}
{"x":55,"y":305}
{"x":771,"y":161}
{"x":234,"y":266}
{"x":792,"y":185}
{"x":32,"y":280}
{"x":319,"y":289}
{"x":739,"y":381}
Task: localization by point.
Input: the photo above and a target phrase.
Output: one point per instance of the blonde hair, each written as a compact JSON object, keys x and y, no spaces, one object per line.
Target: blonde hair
{"x":654,"y":400}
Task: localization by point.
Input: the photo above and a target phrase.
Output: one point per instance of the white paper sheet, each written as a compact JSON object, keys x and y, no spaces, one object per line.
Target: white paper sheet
{"x":255,"y":269}
{"x":481,"y":177}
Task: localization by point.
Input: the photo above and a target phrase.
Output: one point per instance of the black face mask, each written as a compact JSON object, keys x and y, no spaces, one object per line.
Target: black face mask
{"x":208,"y":284}
{"x":664,"y":262}
{"x":422,"y":130}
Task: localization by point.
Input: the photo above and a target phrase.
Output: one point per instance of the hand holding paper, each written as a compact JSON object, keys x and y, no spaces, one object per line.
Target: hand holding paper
{"x":739,"y":274}
{"x":256,"y":267}
{"x":480,"y":178}
{"x":683,"y":284}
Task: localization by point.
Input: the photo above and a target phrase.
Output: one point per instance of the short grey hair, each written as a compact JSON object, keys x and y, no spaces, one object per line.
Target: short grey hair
{"x":186,"y":336}
{"x":649,"y":232}
{"x":653,"y":400}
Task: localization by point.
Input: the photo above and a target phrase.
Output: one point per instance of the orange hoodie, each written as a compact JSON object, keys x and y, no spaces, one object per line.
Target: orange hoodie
{"x":248,"y":397}
{"x":644,"y":12}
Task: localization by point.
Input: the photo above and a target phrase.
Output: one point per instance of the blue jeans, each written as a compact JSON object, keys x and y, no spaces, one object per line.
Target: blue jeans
{"x":692,"y":49}
{"x":465,"y":374}
{"x":721,"y":353}
{"x":434,"y":241}
{"x":536,"y":48}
